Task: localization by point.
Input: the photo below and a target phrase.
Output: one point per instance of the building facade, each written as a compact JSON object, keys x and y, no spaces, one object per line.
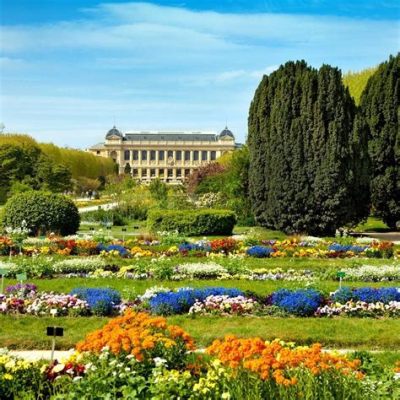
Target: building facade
{"x":169,"y":156}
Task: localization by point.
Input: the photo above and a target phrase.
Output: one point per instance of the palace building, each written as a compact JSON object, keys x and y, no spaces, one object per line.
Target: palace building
{"x":169,"y":156}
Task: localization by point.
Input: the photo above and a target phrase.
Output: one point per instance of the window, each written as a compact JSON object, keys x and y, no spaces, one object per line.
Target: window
{"x":178,"y":155}
{"x":135,"y":172}
{"x":135,"y":155}
{"x":170,"y":154}
{"x":179,"y":173}
{"x":97,"y":152}
{"x":170,"y":173}
{"x":196,"y":155}
{"x":161,"y":155}
{"x":204,"y":156}
{"x":213,"y":155}
{"x":187,"y":172}
{"x":187,"y":155}
{"x":152,"y":155}
{"x":144,"y":155}
{"x":127,"y":154}
{"x":161,"y":173}
{"x":144,"y":172}
{"x":152,"y":173}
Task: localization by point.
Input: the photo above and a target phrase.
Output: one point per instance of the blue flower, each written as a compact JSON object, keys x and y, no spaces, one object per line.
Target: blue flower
{"x":302,"y":302}
{"x":101,"y":300}
{"x":259,"y":251}
{"x":167,"y":303}
{"x":341,"y":248}
{"x":367,"y":294}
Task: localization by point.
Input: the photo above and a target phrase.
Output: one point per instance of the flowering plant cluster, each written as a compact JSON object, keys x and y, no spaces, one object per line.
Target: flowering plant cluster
{"x":224,"y":305}
{"x":42,"y":304}
{"x":372,"y":273}
{"x":280,"y":364}
{"x":180,"y":301}
{"x":360,"y":309}
{"x":141,"y":335}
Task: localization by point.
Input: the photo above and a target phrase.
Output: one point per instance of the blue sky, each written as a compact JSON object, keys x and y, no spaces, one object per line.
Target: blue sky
{"x":69,"y":68}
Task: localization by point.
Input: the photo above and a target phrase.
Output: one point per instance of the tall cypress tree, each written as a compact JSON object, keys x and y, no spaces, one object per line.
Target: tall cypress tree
{"x":304,"y":166}
{"x":380,"y":113}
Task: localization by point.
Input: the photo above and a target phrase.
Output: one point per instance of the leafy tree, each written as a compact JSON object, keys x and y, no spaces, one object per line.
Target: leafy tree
{"x":380,"y":113}
{"x":127,"y":169}
{"x":159,"y":191}
{"x":303,"y":165}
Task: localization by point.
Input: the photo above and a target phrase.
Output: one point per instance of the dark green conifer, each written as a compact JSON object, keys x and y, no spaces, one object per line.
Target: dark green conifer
{"x":380,"y":112}
{"x":304,"y":167}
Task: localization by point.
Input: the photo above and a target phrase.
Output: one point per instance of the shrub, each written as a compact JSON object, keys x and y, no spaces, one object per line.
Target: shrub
{"x":100,"y":300}
{"x":191,"y":222}
{"x":42,"y":212}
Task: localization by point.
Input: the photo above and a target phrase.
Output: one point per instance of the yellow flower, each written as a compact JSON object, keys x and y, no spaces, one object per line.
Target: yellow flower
{"x":7,"y":377}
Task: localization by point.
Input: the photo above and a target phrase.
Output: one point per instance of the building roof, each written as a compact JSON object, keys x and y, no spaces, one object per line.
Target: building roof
{"x":114,"y":132}
{"x":98,"y":146}
{"x":226,"y":132}
{"x":171,"y":136}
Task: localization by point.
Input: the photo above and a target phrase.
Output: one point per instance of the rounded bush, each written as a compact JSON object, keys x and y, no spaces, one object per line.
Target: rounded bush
{"x":43,"y":212}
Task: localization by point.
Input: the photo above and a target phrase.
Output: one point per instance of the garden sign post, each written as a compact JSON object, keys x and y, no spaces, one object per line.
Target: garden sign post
{"x":3,"y":273}
{"x":21,"y":277}
{"x":54,"y":331}
{"x":341,"y":275}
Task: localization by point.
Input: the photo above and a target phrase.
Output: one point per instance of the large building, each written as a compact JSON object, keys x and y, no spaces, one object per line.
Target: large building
{"x":169,"y":156}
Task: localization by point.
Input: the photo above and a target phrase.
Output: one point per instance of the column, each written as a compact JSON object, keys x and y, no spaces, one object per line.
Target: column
{"x":148,"y":157}
{"x":208,"y":155}
{"x":157,"y":169}
{"x":191,"y":157}
{"x":157,"y":151}
{"x":174,"y":174}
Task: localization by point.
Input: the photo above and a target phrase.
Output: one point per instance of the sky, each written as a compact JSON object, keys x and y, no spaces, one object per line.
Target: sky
{"x":71,"y":69}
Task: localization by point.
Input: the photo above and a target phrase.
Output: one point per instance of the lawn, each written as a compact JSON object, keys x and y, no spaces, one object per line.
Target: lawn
{"x":28,"y":332}
{"x":129,"y":288}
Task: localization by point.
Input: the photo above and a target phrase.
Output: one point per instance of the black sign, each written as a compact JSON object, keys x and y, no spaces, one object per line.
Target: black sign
{"x":55,"y":331}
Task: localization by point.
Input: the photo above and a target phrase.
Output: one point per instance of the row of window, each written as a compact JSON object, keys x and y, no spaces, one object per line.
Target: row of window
{"x":169,"y":153}
{"x":161,"y":173}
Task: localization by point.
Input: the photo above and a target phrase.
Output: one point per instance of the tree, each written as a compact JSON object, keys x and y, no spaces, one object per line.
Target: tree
{"x":304,"y":168}
{"x":159,"y":191}
{"x":380,"y":111}
{"x":42,"y":212}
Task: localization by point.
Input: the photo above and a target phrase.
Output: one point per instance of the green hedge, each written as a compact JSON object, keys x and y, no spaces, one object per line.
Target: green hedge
{"x":193,"y":222}
{"x":42,"y":212}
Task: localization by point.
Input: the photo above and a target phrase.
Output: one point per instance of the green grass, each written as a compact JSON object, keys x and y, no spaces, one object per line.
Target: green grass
{"x":373,"y":224}
{"x":28,"y":332}
{"x":129,"y":287}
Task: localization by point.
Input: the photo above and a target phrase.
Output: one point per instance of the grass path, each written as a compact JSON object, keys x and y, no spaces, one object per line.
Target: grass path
{"x":28,"y":332}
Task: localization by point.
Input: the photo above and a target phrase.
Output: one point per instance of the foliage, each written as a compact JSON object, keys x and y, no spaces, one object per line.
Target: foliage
{"x":24,"y":163}
{"x":43,"y":212}
{"x":379,"y":115}
{"x":201,"y":222}
{"x":356,"y":82}
{"x":308,"y":169}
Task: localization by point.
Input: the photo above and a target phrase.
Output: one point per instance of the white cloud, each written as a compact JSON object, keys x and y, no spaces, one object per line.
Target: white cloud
{"x":157,"y":67}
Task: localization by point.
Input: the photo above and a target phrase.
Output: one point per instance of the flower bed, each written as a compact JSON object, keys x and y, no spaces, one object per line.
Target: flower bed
{"x":141,"y":356}
{"x":99,"y":244}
